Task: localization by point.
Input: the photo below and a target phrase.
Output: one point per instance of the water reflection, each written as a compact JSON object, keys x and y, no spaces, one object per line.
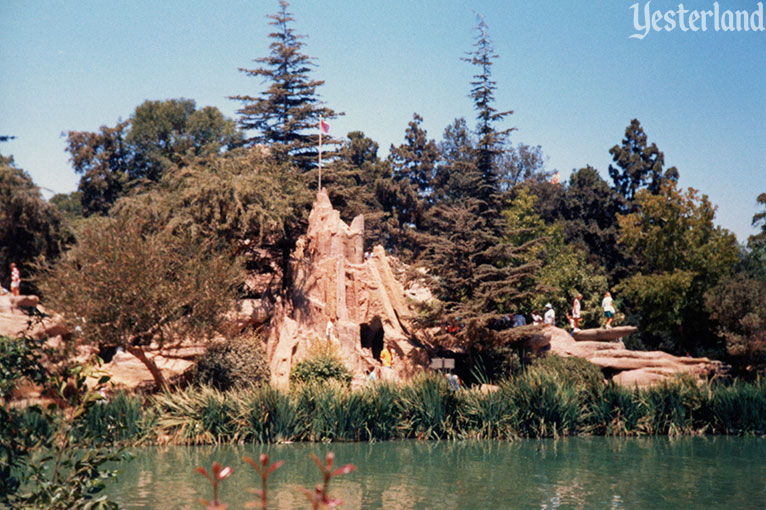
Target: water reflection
{"x":572,"y":473}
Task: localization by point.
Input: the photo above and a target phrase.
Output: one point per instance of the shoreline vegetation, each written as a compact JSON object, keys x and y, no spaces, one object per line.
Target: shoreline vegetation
{"x":539,"y":403}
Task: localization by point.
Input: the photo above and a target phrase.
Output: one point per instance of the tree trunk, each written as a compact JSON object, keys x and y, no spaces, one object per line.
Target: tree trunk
{"x":149,"y":363}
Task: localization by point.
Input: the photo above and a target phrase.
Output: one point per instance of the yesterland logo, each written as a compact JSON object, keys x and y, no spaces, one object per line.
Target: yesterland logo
{"x":715,"y":19}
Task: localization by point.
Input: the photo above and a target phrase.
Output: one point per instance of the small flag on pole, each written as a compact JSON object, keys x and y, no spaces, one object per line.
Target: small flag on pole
{"x":324,"y":127}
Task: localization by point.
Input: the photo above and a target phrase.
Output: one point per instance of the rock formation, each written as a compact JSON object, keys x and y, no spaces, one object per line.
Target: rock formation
{"x":603,"y":334}
{"x":333,"y":281}
{"x":627,"y":367}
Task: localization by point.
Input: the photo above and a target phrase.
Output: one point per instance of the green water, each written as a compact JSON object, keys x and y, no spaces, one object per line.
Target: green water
{"x":579,"y":473}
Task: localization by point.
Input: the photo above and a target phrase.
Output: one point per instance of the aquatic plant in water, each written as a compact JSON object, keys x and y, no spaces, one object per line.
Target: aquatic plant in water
{"x":319,"y":498}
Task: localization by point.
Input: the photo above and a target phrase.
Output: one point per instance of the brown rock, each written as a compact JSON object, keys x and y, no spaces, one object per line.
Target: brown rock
{"x":629,"y":368}
{"x":332,"y":280}
{"x":603,"y":334}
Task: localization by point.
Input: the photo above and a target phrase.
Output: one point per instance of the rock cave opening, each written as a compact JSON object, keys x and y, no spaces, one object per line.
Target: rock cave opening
{"x":371,"y":336}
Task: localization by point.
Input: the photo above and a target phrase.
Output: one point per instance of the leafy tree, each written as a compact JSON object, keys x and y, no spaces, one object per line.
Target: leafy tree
{"x":164,"y":133}
{"x":522,"y":163}
{"x":564,"y":269}
{"x":241,"y":201}
{"x":158,"y":136}
{"x":638,"y":165}
{"x":759,"y":219}
{"x":127,"y":285}
{"x":29,"y":226}
{"x":736,"y":303}
{"x":289,"y":109}
{"x":103,"y":159}
{"x":407,"y":194}
{"x":414,"y":161}
{"x":680,"y":254}
{"x":456,"y":177}
{"x":69,"y":206}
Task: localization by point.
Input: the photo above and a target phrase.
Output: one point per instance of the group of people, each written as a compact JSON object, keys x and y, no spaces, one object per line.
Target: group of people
{"x":549,"y":316}
{"x":15,"y":281}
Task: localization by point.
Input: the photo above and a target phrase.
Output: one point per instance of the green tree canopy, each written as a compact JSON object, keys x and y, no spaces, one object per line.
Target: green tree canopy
{"x":127,"y":285}
{"x":29,"y":226}
{"x":680,"y":254}
{"x":638,"y":165}
{"x":158,"y":136}
{"x":759,"y":220}
{"x":589,"y":211}
{"x":242,"y":201}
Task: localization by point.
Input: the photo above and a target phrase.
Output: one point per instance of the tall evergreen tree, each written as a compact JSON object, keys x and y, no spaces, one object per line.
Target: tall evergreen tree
{"x":638,"y":165}
{"x":480,"y":274}
{"x":285,"y":115}
{"x":491,"y":140}
{"x":408,"y":194}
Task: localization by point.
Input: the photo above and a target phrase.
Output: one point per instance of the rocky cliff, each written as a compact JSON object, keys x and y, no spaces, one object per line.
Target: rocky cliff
{"x":332,"y":280}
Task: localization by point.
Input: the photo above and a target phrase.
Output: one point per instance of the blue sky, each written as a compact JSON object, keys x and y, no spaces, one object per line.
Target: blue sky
{"x":567,"y":68}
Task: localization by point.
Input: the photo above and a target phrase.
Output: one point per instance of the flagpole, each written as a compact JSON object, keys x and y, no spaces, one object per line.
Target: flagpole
{"x":320,"y":154}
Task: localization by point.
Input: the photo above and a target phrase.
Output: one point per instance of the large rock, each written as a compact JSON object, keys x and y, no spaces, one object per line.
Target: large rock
{"x":627,"y":367}
{"x":604,"y":334}
{"x":331,"y":280}
{"x":15,"y":322}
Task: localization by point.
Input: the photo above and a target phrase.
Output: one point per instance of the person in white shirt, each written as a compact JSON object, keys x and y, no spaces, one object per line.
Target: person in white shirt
{"x":574,"y":319}
{"x":550,"y":315}
{"x":609,"y":310}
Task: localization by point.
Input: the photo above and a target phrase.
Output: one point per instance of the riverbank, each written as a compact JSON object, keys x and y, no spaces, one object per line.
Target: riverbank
{"x":536,"y":404}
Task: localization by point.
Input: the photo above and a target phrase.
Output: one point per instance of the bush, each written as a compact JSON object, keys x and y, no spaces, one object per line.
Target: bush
{"x":234,"y":363}
{"x":319,"y":369}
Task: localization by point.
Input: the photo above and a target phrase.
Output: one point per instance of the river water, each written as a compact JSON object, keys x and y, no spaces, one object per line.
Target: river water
{"x":572,"y":473}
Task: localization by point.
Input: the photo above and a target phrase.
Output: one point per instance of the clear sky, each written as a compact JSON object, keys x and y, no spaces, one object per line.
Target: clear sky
{"x":568,"y":69}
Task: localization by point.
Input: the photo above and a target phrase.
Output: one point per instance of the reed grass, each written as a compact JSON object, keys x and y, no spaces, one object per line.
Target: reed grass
{"x":537,"y":403}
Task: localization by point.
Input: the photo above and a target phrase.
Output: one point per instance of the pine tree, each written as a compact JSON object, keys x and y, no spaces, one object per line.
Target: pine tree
{"x":286,"y":115}
{"x":491,"y":141}
{"x":354,"y":181}
{"x":408,"y":193}
{"x":480,"y":275}
{"x":638,"y":165}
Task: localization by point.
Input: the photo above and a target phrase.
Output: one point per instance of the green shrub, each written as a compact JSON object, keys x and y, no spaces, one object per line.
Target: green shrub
{"x":319,"y":369}
{"x":238,"y":362}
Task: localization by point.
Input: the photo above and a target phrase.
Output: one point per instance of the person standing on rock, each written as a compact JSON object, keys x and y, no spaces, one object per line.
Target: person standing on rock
{"x":574,"y":320}
{"x":15,"y":279}
{"x":608,"y":305}
{"x":550,"y":315}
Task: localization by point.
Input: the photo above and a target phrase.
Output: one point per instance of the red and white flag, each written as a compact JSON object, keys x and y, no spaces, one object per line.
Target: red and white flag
{"x":324,"y":127}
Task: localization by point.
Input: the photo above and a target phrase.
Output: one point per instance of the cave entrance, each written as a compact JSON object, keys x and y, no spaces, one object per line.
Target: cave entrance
{"x":371,"y":335}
